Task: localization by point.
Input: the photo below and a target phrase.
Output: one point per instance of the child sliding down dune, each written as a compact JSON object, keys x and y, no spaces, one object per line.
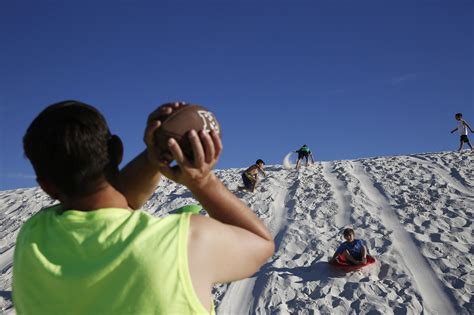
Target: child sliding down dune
{"x":352,"y":250}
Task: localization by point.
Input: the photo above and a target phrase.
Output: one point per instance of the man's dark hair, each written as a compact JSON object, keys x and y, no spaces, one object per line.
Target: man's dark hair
{"x":68,"y":145}
{"x":348,"y":232}
{"x":260,"y":161}
{"x":458,"y":115}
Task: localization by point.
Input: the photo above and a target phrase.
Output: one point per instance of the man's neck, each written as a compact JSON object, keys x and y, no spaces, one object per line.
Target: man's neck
{"x":106,"y":197}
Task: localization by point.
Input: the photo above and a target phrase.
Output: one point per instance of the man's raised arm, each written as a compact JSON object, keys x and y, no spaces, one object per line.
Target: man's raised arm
{"x":140,"y":177}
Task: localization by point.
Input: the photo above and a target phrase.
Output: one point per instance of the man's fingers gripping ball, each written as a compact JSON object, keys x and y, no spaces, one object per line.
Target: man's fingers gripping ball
{"x":178,"y":125}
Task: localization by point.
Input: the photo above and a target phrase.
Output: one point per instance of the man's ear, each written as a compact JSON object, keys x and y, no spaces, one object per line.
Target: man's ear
{"x":48,"y":188}
{"x":115,"y":150}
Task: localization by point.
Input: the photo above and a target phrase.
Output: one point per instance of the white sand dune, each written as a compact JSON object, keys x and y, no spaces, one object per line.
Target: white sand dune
{"x":414,"y":212}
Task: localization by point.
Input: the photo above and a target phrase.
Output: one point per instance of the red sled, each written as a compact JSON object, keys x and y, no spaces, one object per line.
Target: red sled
{"x":341,"y":263}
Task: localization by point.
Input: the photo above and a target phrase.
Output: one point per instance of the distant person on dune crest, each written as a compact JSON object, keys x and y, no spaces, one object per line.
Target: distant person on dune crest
{"x":304,"y":153}
{"x":250,"y":175}
{"x":462,"y":129}
{"x":352,"y":250}
{"x":92,"y":253}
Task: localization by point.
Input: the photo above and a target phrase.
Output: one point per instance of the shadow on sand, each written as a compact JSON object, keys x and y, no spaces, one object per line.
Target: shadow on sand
{"x":319,"y":271}
{"x":7,"y":295}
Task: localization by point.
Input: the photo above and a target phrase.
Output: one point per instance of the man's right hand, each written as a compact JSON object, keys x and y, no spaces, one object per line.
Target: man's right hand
{"x":196,"y":174}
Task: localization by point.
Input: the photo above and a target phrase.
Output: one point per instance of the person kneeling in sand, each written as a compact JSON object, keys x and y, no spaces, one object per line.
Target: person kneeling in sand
{"x":250,"y":175}
{"x":352,"y":250}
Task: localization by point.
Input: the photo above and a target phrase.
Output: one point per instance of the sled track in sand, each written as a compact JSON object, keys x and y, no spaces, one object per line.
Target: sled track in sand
{"x":451,"y":177}
{"x":240,"y":297}
{"x":429,"y":286}
{"x":342,"y":198}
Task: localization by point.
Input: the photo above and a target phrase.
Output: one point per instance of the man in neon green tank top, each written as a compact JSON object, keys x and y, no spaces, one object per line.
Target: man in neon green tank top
{"x":93,"y":254}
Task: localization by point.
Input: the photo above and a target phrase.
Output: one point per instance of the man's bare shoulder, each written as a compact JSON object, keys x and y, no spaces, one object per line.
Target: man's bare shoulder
{"x":200,"y":226}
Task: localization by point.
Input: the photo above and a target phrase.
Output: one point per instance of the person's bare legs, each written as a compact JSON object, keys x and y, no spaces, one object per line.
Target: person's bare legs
{"x":349,"y":257}
{"x":460,"y":146}
{"x":469,"y":144}
{"x":364,"y":255}
{"x":253,"y":185}
{"x":298,"y":164}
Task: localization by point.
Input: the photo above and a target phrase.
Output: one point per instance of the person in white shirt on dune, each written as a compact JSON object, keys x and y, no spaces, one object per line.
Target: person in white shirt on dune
{"x":462,"y":128}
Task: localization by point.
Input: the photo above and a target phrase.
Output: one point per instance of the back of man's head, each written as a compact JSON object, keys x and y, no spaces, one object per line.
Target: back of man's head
{"x":68,"y":146}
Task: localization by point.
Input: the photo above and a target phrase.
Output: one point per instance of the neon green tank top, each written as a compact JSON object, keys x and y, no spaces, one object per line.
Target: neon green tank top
{"x":108,"y":261}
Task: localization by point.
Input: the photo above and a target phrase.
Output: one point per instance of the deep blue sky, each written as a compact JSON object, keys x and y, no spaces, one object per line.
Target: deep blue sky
{"x":349,"y":78}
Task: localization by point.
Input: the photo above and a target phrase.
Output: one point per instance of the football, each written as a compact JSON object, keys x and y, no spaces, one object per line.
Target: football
{"x":177,"y":125}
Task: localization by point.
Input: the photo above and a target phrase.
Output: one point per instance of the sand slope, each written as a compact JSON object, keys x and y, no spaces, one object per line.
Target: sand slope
{"x":414,"y":212}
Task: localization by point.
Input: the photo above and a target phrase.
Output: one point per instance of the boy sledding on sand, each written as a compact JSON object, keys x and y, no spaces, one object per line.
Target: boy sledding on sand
{"x":351,"y":251}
